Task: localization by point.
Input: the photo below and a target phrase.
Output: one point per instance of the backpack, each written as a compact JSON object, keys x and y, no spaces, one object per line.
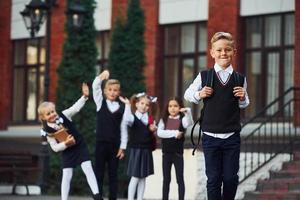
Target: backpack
{"x":208,"y":80}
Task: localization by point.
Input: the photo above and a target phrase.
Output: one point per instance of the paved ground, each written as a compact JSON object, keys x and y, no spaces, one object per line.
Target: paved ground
{"x":38,"y":197}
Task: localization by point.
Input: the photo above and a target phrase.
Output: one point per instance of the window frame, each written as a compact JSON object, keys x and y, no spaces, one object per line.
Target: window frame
{"x":27,"y":67}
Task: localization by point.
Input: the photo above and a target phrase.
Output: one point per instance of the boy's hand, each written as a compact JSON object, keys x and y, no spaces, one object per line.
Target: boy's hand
{"x":120,"y":154}
{"x":239,"y":92}
{"x":70,"y":141}
{"x":85,"y":90}
{"x":125,"y":100}
{"x":206,"y":92}
{"x":104,"y":75}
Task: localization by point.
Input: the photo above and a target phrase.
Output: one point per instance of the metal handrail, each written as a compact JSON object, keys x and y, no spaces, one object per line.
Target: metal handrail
{"x":274,"y":135}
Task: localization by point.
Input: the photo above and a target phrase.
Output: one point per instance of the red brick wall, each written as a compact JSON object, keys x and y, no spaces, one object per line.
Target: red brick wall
{"x":57,"y":37}
{"x":151,"y":43}
{"x":223,"y":16}
{"x":297,"y":61}
{"x":5,"y":64}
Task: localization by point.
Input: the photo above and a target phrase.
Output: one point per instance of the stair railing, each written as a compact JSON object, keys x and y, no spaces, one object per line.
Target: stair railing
{"x":266,"y":139}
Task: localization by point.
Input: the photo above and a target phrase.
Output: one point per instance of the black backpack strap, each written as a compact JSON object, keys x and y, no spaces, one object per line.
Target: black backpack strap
{"x":238,"y":79}
{"x":195,"y":146}
{"x":208,"y":80}
{"x":207,"y":77}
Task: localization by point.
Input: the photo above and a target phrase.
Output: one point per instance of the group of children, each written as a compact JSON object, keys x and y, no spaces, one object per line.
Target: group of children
{"x":121,"y":121}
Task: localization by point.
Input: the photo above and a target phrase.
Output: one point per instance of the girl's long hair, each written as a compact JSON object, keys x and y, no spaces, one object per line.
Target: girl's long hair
{"x":165,"y":114}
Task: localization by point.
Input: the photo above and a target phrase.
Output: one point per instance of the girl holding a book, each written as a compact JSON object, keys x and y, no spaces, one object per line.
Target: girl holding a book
{"x":63,"y":137}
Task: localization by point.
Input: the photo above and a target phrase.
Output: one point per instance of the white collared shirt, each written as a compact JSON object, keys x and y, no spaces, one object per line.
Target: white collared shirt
{"x":192,"y":93}
{"x":144,"y":117}
{"x":112,"y":106}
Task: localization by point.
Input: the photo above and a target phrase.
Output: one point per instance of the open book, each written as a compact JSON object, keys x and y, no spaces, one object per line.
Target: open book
{"x":60,"y":135}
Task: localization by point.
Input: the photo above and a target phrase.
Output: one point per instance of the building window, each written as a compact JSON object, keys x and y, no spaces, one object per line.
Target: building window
{"x":185,"y":48}
{"x":269,"y":59}
{"x":28,"y":79}
{"x":103,"y":47}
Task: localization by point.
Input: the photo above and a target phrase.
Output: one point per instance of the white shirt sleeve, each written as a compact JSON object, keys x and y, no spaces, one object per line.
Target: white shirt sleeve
{"x":192,"y":92}
{"x":75,"y":108}
{"x":246,"y":102}
{"x":129,"y":116}
{"x":97,"y":93}
{"x":187,"y":120}
{"x":162,"y":133}
{"x":124,"y":126}
{"x":56,"y":147}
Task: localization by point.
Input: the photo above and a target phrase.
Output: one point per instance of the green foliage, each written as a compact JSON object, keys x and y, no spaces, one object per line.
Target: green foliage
{"x":126,"y":59}
{"x":77,"y":66}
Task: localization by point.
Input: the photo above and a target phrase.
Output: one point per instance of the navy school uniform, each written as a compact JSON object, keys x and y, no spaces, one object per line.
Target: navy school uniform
{"x":73,"y":155}
{"x":108,"y":140}
{"x":140,"y":162}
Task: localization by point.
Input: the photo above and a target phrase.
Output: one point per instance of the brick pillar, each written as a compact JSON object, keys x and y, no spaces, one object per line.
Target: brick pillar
{"x":297,"y":62}
{"x":223,"y":16}
{"x":5,"y":64}
{"x":151,"y":44}
{"x":57,"y":37}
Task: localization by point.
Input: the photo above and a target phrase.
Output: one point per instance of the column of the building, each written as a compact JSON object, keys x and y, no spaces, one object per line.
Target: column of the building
{"x":297,"y":61}
{"x":57,"y":37}
{"x":5,"y":64}
{"x":152,"y":49}
{"x":223,"y":15}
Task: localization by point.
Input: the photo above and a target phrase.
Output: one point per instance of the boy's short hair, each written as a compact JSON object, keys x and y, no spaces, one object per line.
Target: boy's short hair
{"x":222,"y":35}
{"x":42,"y":107}
{"x":112,"y":82}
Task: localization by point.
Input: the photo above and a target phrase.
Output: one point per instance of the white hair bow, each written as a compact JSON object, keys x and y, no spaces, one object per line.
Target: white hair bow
{"x":151,"y":98}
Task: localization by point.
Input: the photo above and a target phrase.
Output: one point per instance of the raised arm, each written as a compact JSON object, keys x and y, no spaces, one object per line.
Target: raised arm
{"x":97,"y":91}
{"x":76,"y":107}
{"x":187,"y":120}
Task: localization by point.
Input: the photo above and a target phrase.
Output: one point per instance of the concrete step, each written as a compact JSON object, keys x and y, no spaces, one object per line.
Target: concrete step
{"x":285,"y":174}
{"x":282,"y":184}
{"x":293,"y":165}
{"x":273,"y":195}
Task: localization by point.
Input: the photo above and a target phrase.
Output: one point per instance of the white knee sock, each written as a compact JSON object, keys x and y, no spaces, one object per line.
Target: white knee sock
{"x":132,"y":187}
{"x":65,"y":183}
{"x":90,"y":176}
{"x":141,"y":188}
{"x":136,"y":184}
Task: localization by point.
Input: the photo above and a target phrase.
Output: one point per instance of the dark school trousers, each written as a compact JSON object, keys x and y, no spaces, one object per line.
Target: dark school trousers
{"x":177,"y":160}
{"x":105,"y":154}
{"x":222,"y":166}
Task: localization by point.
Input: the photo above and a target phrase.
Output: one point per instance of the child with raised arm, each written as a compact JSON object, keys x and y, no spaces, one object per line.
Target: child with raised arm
{"x":142,"y":128}
{"x":223,"y":92}
{"x":171,"y":128}
{"x":111,"y":131}
{"x":73,"y":148}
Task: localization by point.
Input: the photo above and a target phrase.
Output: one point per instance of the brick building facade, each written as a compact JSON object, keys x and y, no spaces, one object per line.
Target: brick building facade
{"x":161,"y":31}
